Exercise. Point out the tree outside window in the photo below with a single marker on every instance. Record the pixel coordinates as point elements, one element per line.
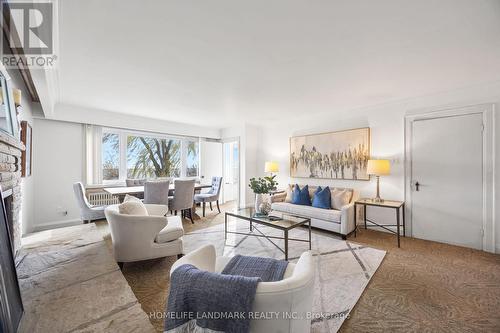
<point>149,157</point>
<point>110,156</point>
<point>132,155</point>
<point>192,158</point>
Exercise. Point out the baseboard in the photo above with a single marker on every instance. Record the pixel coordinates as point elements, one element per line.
<point>497,248</point>
<point>55,225</point>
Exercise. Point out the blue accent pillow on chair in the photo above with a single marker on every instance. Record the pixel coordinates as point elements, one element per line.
<point>322,198</point>
<point>301,197</point>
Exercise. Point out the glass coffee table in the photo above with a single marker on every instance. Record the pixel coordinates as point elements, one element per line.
<point>283,221</point>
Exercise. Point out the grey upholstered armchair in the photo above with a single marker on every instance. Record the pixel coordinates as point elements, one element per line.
<point>210,196</point>
<point>88,212</point>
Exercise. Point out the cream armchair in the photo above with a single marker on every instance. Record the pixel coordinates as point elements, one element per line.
<point>291,296</point>
<point>138,238</point>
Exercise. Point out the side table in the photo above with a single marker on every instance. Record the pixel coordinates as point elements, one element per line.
<point>396,205</point>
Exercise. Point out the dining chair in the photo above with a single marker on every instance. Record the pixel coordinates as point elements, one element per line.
<point>156,192</point>
<point>135,182</point>
<point>183,198</point>
<point>210,196</point>
<point>88,212</point>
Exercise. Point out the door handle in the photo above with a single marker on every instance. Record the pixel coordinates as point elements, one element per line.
<point>417,186</point>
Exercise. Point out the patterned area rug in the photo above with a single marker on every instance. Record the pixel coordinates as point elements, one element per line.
<point>343,269</point>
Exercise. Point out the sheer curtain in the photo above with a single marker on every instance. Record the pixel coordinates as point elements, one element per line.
<point>93,136</point>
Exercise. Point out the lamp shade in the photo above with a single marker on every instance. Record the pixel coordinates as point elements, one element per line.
<point>271,167</point>
<point>378,167</point>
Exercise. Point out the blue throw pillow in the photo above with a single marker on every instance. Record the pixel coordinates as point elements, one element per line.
<point>322,198</point>
<point>301,197</point>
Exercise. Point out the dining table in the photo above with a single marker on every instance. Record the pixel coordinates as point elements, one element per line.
<point>122,191</point>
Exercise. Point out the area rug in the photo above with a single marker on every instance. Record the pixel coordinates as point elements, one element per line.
<point>343,269</point>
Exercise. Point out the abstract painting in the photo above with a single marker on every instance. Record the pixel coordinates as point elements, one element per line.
<point>334,155</point>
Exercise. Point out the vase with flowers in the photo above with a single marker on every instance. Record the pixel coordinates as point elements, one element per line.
<point>261,187</point>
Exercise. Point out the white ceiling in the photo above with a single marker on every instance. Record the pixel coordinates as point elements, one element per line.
<point>217,63</point>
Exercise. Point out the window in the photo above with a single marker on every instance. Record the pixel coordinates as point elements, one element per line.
<point>149,157</point>
<point>129,154</point>
<point>110,156</point>
<point>8,118</point>
<point>192,154</point>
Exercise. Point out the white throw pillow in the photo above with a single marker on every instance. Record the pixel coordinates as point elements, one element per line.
<point>340,198</point>
<point>289,191</point>
<point>131,198</point>
<point>133,207</point>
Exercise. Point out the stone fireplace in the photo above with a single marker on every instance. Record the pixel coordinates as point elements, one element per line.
<point>10,181</point>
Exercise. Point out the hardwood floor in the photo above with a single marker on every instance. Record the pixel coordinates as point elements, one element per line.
<point>421,287</point>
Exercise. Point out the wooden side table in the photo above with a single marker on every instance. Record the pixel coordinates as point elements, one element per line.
<point>397,205</point>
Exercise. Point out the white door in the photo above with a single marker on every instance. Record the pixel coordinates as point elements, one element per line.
<point>447,204</point>
<point>211,161</point>
<point>231,171</point>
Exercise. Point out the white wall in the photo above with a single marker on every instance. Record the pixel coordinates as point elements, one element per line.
<point>79,114</point>
<point>387,140</point>
<point>58,162</point>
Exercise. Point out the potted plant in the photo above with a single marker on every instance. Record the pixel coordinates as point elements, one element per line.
<point>260,187</point>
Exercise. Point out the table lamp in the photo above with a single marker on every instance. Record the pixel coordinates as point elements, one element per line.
<point>378,168</point>
<point>271,167</point>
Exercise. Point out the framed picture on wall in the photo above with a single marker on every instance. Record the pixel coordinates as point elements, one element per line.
<point>333,155</point>
<point>26,154</point>
<point>8,115</point>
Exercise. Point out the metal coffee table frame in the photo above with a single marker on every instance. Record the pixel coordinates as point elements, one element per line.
<point>272,224</point>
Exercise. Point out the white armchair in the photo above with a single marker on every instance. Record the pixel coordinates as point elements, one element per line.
<point>292,295</point>
<point>138,238</point>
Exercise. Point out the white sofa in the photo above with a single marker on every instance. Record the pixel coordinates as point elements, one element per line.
<point>292,295</point>
<point>338,221</point>
<point>138,238</point>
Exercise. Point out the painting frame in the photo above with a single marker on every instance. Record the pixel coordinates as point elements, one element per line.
<point>308,139</point>
<point>8,105</point>
<point>26,154</point>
